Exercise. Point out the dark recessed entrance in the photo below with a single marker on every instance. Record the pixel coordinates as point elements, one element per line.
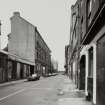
<point>31,70</point>
<point>82,73</point>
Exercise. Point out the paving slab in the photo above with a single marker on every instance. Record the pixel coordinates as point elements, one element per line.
<point>73,101</point>
<point>72,95</point>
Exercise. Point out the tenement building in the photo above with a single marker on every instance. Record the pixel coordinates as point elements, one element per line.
<point>42,55</point>
<point>28,53</point>
<point>74,41</point>
<point>94,39</point>
<point>91,71</point>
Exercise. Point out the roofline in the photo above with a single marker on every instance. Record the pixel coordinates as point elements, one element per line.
<point>42,39</point>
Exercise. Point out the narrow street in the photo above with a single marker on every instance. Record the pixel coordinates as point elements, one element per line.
<point>46,91</point>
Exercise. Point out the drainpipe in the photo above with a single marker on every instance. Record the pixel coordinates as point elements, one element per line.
<point>94,73</point>
<point>86,75</point>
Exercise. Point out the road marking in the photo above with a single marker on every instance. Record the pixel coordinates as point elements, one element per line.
<point>33,86</point>
<point>17,92</point>
<point>41,88</point>
<point>12,94</point>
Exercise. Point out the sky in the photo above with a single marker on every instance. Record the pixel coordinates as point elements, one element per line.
<point>52,18</point>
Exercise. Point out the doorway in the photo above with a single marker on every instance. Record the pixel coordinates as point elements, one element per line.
<point>31,70</point>
<point>82,72</point>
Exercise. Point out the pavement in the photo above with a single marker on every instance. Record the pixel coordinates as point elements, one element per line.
<point>12,82</point>
<point>71,95</point>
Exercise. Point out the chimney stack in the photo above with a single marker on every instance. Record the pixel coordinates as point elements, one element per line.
<point>16,13</point>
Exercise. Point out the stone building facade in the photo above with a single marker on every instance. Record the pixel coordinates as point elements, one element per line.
<point>27,51</point>
<point>93,40</point>
<point>74,41</point>
<point>91,68</point>
<point>42,55</point>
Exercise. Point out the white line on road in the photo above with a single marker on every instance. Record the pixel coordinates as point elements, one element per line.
<point>12,94</point>
<point>42,88</point>
<point>33,86</point>
<point>17,92</point>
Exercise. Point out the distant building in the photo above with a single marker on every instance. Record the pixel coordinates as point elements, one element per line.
<point>54,64</point>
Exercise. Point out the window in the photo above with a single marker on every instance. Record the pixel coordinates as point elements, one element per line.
<point>89,9</point>
<point>82,20</point>
<point>90,6</point>
<point>37,55</point>
<point>90,72</point>
<point>81,3</point>
<point>74,33</point>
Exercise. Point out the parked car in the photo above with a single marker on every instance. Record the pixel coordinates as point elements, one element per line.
<point>33,77</point>
<point>54,74</point>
